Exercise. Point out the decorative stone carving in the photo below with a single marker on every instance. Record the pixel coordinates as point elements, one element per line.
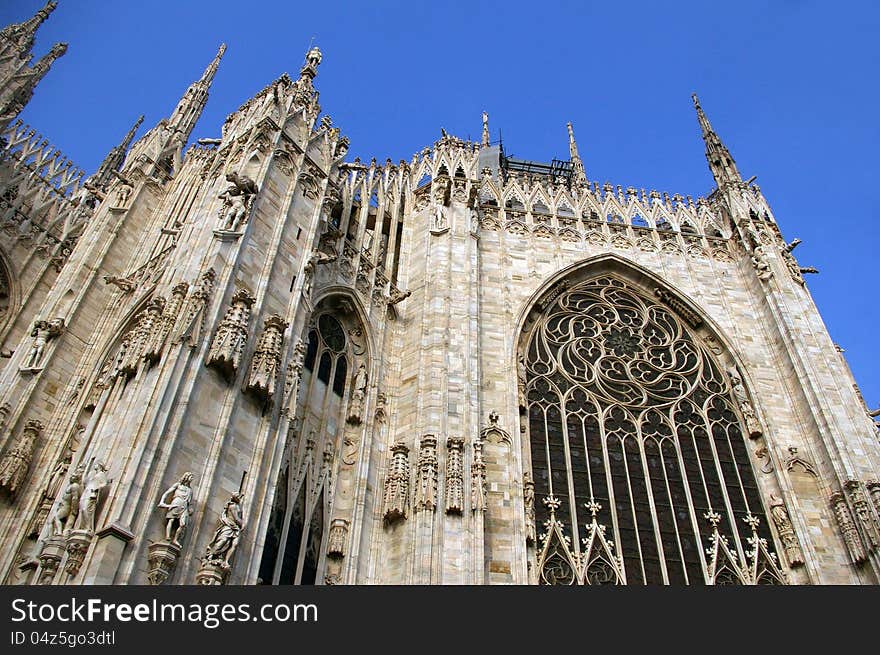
<point>267,358</point>
<point>873,487</point>
<point>454,476</point>
<point>177,501</point>
<point>162,328</point>
<point>761,262</point>
<point>425,497</point>
<point>478,479</point>
<point>847,528</point>
<point>237,200</point>
<point>16,462</point>
<point>49,494</point>
<point>439,222</point>
<point>795,270</point>
<point>294,375</point>
<point>317,257</point>
<point>67,508</point>
<point>337,538</point>
<point>149,321</point>
<point>93,483</point>
<point>228,345</point>
<point>785,531</point>
<point>690,317</point>
<point>866,523</point>
<point>358,396</point>
<point>78,543</point>
<point>529,505</point>
<point>162,558</point>
<point>745,406</point>
<point>50,557</point>
<point>218,554</point>
<point>396,491</point>
<point>192,325</point>
<point>397,296</point>
<point>42,333</point>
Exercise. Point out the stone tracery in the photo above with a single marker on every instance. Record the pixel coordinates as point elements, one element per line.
<point>629,411</point>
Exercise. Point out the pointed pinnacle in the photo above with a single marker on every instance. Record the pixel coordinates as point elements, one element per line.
<point>485,137</point>
<point>705,127</point>
<point>211,70</point>
<point>130,135</point>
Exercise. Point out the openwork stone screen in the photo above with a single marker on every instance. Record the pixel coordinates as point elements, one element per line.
<point>632,427</point>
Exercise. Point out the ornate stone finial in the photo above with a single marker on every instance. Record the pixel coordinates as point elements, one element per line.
<point>713,517</point>
<point>485,138</point>
<point>593,507</point>
<point>578,171</point>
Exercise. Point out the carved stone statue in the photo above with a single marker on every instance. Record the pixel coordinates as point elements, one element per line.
<point>529,504</point>
<point>43,331</point>
<point>236,201</point>
<point>358,394</point>
<point>177,500</point>
<point>745,406</point>
<point>397,296</point>
<point>317,257</point>
<point>226,536</point>
<point>786,533</point>
<point>761,263</point>
<point>68,504</point>
<point>94,481</point>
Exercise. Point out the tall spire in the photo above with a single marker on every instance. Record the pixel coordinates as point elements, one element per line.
<point>720,160</point>
<point>20,36</point>
<point>485,140</point>
<point>580,175</point>
<point>114,158</point>
<point>190,107</point>
<point>14,102</point>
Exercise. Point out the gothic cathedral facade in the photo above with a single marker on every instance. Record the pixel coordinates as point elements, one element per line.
<point>250,361</point>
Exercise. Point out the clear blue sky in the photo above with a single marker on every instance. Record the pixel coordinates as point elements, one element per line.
<point>790,86</point>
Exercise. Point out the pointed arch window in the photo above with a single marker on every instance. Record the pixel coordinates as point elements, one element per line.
<point>635,445</point>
